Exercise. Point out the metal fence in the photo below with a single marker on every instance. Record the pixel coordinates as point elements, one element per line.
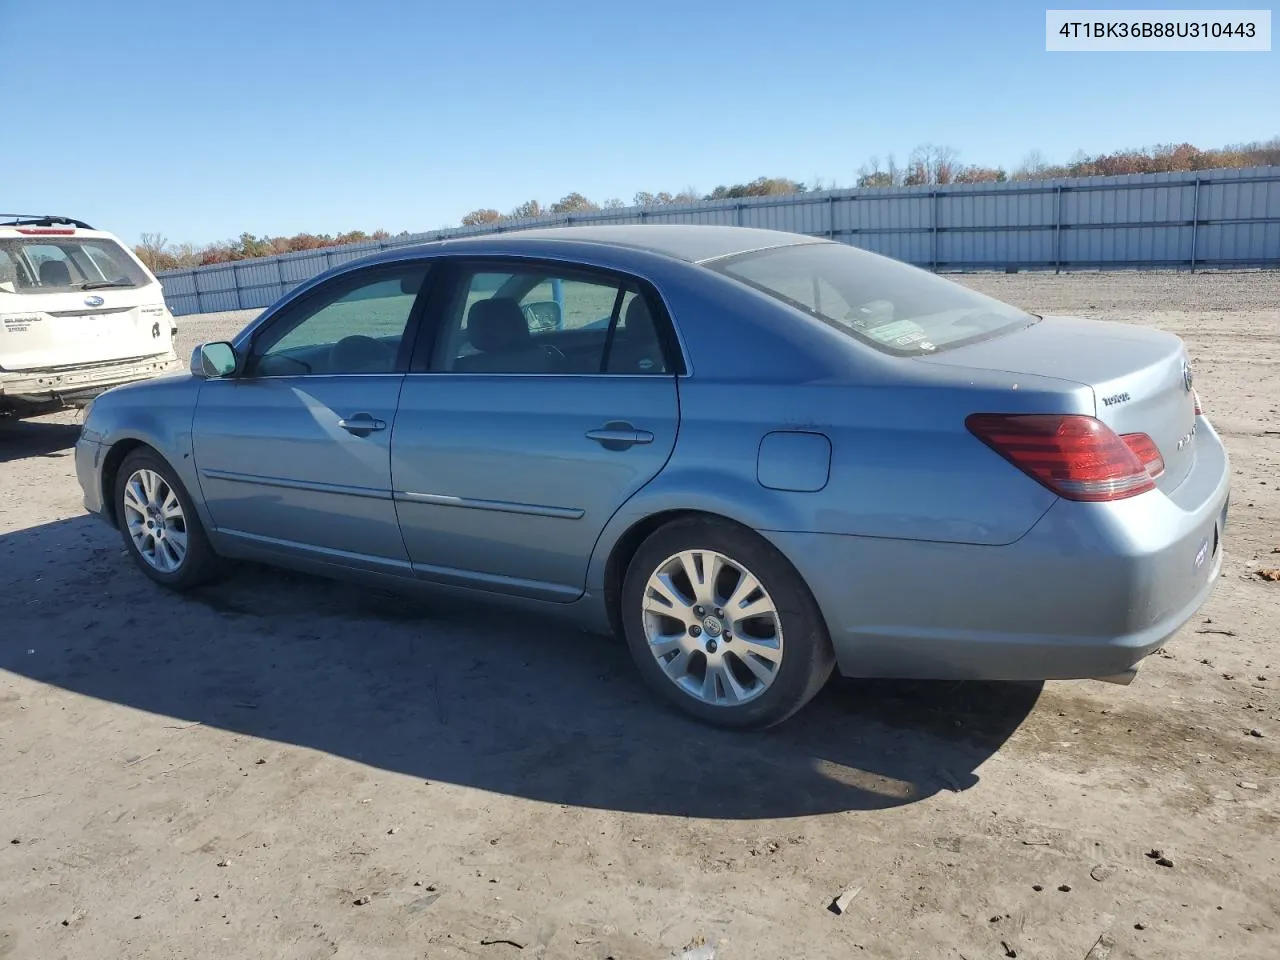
<point>1208,219</point>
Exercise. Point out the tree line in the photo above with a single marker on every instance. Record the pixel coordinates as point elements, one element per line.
<point>926,165</point>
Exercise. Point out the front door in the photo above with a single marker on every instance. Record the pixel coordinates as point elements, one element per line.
<point>549,401</point>
<point>293,455</point>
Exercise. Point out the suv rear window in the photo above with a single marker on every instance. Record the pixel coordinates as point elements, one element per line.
<point>59,264</point>
<point>892,306</point>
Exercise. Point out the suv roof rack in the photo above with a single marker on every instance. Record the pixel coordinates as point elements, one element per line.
<point>40,220</point>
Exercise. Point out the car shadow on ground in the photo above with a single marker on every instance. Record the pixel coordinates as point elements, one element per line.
<point>466,695</point>
<point>20,439</point>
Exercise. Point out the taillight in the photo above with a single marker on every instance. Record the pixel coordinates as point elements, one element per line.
<point>1196,396</point>
<point>1077,457</point>
<point>47,231</point>
<point>1145,449</point>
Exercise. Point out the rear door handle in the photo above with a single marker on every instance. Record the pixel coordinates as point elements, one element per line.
<point>619,435</point>
<point>362,424</point>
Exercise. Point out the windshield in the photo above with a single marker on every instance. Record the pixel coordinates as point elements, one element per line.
<point>60,264</point>
<point>894,307</point>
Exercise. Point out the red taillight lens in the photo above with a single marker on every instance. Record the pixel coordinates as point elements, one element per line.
<point>47,231</point>
<point>1077,457</point>
<point>1196,395</point>
<point>1148,454</point>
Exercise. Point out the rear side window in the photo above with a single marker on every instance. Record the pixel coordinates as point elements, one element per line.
<point>890,305</point>
<point>58,265</point>
<point>536,320</point>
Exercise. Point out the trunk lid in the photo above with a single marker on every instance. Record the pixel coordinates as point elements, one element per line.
<point>1141,378</point>
<point>81,327</point>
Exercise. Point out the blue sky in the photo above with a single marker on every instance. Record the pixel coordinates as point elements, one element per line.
<point>204,119</point>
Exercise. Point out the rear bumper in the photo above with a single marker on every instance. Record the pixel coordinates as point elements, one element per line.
<point>74,385</point>
<point>1089,591</point>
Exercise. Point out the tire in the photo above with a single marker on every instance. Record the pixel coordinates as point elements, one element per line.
<point>198,564</point>
<point>787,652</point>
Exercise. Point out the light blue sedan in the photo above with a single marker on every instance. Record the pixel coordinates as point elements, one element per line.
<point>757,456</point>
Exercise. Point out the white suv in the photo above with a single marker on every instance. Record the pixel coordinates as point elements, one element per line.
<point>79,313</point>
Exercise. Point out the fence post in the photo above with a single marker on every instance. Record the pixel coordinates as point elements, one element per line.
<point>1057,231</point>
<point>934,218</point>
<point>738,208</point>
<point>831,217</point>
<point>1195,222</point>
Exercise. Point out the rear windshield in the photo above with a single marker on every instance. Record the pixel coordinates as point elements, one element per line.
<point>894,307</point>
<point>59,264</point>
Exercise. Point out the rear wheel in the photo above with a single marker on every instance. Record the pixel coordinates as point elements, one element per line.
<point>722,626</point>
<point>159,524</point>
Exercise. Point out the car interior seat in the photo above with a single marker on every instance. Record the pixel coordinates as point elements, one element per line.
<point>636,347</point>
<point>497,328</point>
<point>54,273</point>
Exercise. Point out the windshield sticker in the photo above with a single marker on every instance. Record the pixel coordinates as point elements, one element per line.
<point>898,332</point>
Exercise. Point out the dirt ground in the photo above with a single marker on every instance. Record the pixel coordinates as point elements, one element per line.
<point>284,767</point>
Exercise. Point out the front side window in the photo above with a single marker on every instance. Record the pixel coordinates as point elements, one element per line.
<point>354,325</point>
<point>535,321</point>
<point>60,265</point>
<point>894,307</point>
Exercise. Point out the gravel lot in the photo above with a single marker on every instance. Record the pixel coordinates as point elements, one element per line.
<point>284,767</point>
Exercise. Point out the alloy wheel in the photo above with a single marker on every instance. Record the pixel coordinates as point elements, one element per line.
<point>713,628</point>
<point>155,520</point>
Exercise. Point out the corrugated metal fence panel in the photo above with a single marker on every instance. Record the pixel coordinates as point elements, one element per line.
<point>179,284</point>
<point>220,277</point>
<point>180,304</point>
<point>1185,220</point>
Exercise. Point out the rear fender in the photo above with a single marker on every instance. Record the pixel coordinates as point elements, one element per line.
<point>695,489</point>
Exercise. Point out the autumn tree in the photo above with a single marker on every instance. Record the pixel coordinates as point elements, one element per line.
<point>530,208</point>
<point>981,175</point>
<point>573,203</point>
<point>478,218</point>
<point>151,249</point>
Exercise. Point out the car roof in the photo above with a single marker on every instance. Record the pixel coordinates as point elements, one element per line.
<point>694,243</point>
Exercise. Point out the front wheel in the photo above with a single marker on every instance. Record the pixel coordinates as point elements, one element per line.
<point>159,524</point>
<point>722,626</point>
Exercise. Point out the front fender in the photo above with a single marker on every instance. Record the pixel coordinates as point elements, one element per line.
<point>158,414</point>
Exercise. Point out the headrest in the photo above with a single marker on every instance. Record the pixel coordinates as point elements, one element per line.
<point>55,273</point>
<point>496,325</point>
<point>639,320</point>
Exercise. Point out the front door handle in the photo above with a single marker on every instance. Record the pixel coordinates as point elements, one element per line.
<point>362,424</point>
<point>619,435</point>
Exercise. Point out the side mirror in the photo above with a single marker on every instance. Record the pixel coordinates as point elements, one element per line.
<point>543,315</point>
<point>213,361</point>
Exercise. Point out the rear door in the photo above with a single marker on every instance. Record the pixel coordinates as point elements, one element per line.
<point>547,398</point>
<point>67,300</point>
<point>293,455</point>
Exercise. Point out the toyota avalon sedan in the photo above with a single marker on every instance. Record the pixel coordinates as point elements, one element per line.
<point>758,456</point>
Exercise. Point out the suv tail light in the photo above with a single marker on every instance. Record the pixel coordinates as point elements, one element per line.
<point>47,231</point>
<point>1196,395</point>
<point>1076,456</point>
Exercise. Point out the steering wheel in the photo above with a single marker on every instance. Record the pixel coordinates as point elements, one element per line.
<point>360,354</point>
